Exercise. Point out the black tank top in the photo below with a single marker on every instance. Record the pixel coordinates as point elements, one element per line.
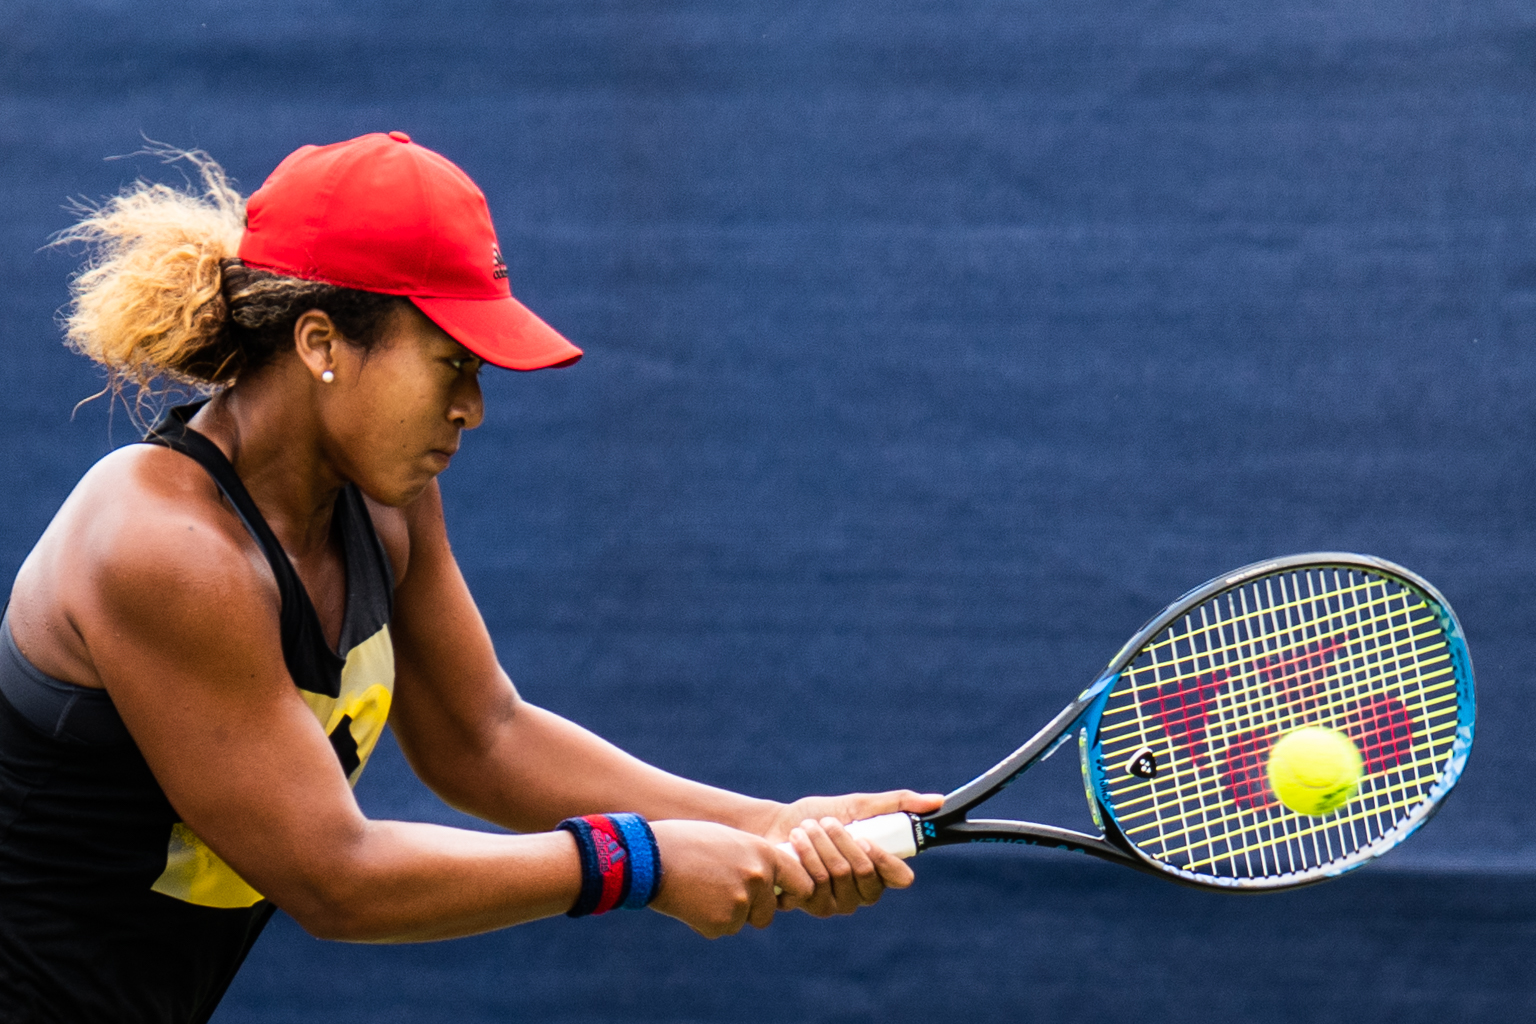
<point>111,909</point>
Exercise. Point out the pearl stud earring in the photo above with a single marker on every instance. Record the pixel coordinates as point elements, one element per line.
<point>327,376</point>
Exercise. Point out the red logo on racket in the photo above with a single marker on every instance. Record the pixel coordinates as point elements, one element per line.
<point>1380,726</point>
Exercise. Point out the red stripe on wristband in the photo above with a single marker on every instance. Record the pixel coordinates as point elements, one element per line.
<point>612,861</point>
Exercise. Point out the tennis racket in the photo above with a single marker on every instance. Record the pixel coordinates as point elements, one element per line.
<point>1174,736</point>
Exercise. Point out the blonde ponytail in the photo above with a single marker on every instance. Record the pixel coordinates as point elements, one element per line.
<point>149,303</point>
<point>163,297</point>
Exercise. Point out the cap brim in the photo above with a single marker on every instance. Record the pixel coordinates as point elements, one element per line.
<point>501,331</point>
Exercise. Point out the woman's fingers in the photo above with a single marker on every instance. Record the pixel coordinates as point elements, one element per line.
<point>810,859</point>
<point>852,876</point>
<point>844,896</point>
<point>717,879</point>
<point>895,872</point>
<point>843,872</point>
<point>764,905</point>
<point>796,883</point>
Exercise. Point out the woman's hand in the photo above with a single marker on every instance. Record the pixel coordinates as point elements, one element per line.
<point>846,873</point>
<point>716,878</point>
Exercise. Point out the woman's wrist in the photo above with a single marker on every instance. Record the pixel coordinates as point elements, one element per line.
<point>620,862</point>
<point>759,817</point>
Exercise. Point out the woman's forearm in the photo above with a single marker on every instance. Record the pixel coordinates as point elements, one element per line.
<point>409,882</point>
<point>539,768</point>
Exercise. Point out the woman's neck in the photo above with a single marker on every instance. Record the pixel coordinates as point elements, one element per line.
<point>267,427</point>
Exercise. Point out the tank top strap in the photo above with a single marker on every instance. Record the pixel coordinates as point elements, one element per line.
<point>310,660</point>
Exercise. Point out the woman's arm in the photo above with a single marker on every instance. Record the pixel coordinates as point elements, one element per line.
<point>457,715</point>
<point>469,735</point>
<point>180,621</point>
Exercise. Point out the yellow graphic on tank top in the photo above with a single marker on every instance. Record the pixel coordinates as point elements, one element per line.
<point>354,720</point>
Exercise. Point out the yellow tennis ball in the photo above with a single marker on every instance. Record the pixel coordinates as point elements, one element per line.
<point>1314,770</point>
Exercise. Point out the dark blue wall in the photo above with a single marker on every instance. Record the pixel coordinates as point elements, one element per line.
<point>932,347</point>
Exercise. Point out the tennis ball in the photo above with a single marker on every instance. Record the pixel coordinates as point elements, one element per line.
<point>1314,770</point>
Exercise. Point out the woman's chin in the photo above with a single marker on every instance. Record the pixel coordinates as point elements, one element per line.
<point>397,493</point>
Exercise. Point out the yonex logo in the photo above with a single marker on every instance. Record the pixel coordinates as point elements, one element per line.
<point>1143,764</point>
<point>498,265</point>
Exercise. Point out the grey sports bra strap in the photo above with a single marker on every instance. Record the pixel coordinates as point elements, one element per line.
<point>60,710</point>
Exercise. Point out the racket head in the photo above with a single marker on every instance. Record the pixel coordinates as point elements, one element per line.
<point>1175,742</point>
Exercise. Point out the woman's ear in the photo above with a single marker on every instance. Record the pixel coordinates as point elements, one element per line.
<point>316,338</point>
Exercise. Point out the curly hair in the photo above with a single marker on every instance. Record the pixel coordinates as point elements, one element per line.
<point>163,298</point>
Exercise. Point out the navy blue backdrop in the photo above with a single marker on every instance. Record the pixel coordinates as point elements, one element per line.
<point>932,347</point>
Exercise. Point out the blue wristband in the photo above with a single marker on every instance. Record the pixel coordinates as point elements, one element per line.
<point>620,863</point>
<point>644,860</point>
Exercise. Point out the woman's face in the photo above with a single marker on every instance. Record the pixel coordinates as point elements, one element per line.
<point>394,414</point>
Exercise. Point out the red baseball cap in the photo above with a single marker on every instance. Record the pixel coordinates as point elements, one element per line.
<point>381,214</point>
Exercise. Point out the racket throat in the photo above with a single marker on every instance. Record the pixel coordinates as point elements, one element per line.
<point>1019,833</point>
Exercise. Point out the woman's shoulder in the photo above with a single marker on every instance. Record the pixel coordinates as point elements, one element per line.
<point>144,538</point>
<point>145,499</point>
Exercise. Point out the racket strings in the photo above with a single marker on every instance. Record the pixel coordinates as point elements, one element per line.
<point>1210,695</point>
<point>1248,749</point>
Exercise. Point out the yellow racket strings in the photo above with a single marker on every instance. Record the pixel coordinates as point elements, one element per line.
<point>1207,697</point>
<point>1234,720</point>
<point>1250,763</point>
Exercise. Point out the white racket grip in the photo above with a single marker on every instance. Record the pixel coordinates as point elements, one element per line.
<point>891,832</point>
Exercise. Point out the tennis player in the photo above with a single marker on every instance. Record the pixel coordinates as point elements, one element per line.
<point>200,653</point>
